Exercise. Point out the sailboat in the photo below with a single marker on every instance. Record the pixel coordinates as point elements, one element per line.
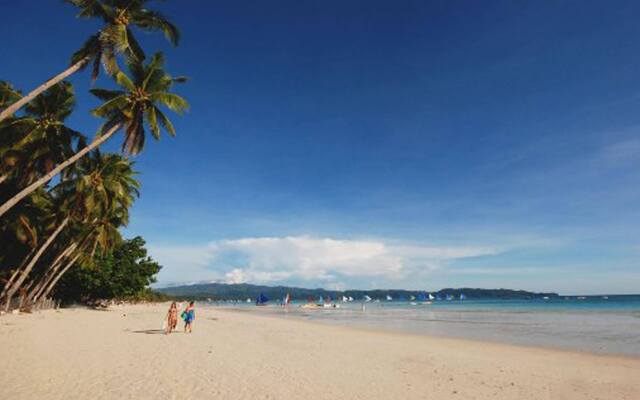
<point>389,298</point>
<point>462,296</point>
<point>286,300</point>
<point>350,298</point>
<point>422,297</point>
<point>262,300</point>
<point>367,298</point>
<point>431,297</point>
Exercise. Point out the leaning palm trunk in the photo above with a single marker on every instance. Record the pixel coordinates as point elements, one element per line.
<point>49,275</point>
<point>35,185</point>
<point>9,111</point>
<point>25,272</point>
<point>15,274</point>
<point>52,284</point>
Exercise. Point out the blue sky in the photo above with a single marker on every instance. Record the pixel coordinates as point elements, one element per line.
<point>383,144</point>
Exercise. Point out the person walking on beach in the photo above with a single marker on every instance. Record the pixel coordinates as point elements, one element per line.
<point>189,316</point>
<point>172,318</point>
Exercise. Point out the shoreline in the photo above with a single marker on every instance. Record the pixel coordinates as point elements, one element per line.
<point>381,330</point>
<point>122,353</point>
<point>526,333</point>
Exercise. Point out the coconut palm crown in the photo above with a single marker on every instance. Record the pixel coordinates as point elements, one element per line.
<point>116,36</point>
<point>138,105</point>
<point>35,143</point>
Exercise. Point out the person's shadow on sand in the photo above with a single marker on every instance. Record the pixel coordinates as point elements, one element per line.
<point>152,331</point>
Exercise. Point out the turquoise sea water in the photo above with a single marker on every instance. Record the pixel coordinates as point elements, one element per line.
<point>593,324</point>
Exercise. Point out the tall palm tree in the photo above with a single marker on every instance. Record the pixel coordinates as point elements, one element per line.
<point>34,144</point>
<point>115,37</point>
<point>93,203</point>
<point>101,195</point>
<point>137,105</point>
<point>102,235</point>
<point>21,233</point>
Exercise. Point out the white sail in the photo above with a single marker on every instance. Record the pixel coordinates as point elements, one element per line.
<point>367,298</point>
<point>350,298</point>
<point>431,296</point>
<point>389,298</point>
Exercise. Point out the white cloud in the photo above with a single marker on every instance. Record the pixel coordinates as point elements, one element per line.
<point>303,258</point>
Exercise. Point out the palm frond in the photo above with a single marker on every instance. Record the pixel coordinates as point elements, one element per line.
<point>153,21</point>
<point>110,106</point>
<point>165,122</point>
<point>106,95</point>
<point>172,101</point>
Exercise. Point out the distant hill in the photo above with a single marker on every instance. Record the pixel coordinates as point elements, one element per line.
<point>222,291</point>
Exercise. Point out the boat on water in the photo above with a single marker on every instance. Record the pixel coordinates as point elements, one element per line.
<point>321,303</point>
<point>431,297</point>
<point>423,298</point>
<point>367,298</point>
<point>462,296</point>
<point>389,298</point>
<point>262,300</point>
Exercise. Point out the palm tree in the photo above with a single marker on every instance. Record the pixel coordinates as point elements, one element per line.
<point>20,278</point>
<point>102,195</point>
<point>103,235</point>
<point>115,37</point>
<point>127,109</point>
<point>20,235</point>
<point>99,195</point>
<point>34,144</point>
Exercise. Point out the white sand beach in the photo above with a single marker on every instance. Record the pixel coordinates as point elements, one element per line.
<point>122,354</point>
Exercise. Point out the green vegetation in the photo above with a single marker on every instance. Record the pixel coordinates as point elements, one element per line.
<point>62,201</point>
<point>221,291</point>
<point>124,273</point>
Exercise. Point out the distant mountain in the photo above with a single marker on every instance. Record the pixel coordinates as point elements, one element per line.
<point>222,291</point>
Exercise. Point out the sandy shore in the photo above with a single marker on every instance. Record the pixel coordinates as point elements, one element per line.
<point>120,354</point>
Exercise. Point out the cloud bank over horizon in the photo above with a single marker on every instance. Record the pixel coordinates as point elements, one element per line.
<point>328,262</point>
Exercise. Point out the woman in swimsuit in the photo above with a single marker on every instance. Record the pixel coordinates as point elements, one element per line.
<point>172,318</point>
<point>189,317</point>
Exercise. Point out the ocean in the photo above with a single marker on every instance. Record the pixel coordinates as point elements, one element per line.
<point>594,324</point>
